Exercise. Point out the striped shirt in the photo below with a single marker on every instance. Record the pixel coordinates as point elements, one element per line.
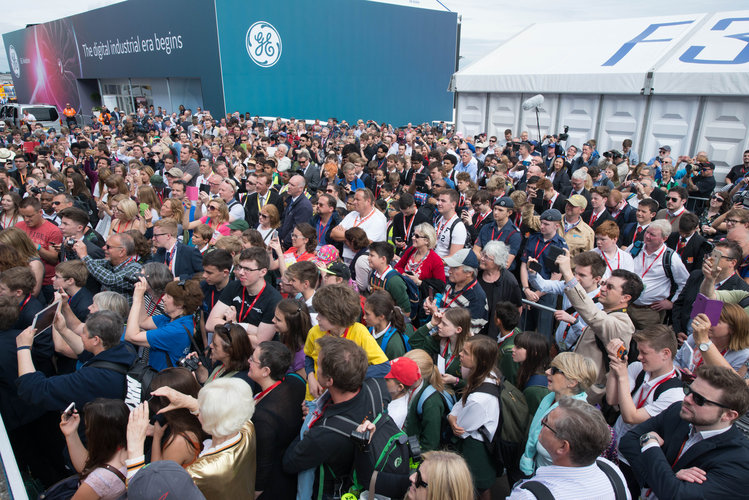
<point>573,483</point>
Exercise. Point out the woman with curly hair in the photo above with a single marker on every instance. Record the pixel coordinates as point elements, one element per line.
<point>20,241</point>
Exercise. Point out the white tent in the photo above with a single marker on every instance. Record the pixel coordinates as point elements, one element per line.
<point>678,80</point>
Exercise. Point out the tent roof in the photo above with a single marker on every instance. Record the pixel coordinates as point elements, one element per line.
<point>705,54</point>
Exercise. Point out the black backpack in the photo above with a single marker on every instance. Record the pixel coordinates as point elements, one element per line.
<point>388,452</point>
<point>138,376</point>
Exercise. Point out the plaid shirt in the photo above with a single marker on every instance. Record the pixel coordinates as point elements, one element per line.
<point>112,278</point>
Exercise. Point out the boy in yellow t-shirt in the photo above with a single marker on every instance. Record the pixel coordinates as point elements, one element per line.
<point>338,309</point>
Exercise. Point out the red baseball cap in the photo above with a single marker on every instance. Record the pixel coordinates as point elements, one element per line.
<point>405,371</point>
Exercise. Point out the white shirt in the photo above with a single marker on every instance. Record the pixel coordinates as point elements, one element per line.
<point>456,237</point>
<point>480,409</point>
<point>374,224</point>
<point>651,405</point>
<point>657,285</point>
<point>622,260</point>
<point>398,410</point>
<point>236,211</point>
<point>573,483</point>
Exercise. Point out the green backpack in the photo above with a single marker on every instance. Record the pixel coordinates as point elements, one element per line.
<point>508,443</point>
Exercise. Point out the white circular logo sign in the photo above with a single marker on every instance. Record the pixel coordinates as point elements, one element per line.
<point>263,44</point>
<point>14,64</point>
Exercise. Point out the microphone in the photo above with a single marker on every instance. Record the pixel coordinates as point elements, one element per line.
<point>533,102</point>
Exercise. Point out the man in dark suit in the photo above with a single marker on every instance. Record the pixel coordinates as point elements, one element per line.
<point>184,262</point>
<point>644,215</point>
<point>309,170</point>
<point>73,224</point>
<point>688,243</point>
<point>551,198</point>
<point>692,449</point>
<point>622,212</point>
<point>262,196</point>
<point>597,213</point>
<point>577,186</point>
<point>727,279</point>
<point>298,209</point>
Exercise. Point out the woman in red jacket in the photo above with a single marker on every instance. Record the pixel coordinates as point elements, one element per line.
<point>422,264</point>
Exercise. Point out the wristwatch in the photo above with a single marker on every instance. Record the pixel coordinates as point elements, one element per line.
<point>645,438</point>
<point>705,345</point>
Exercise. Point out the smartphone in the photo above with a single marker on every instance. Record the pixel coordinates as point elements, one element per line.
<point>621,352</point>
<point>534,266</point>
<point>69,411</point>
<point>143,208</point>
<point>205,188</point>
<point>716,255</point>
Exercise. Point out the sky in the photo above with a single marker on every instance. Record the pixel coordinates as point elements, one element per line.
<point>485,23</point>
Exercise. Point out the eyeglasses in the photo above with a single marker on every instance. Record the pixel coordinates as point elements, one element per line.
<point>157,235</point>
<point>545,423</point>
<point>419,483</point>
<point>733,221</point>
<point>554,370</point>
<point>246,269</point>
<point>700,400</point>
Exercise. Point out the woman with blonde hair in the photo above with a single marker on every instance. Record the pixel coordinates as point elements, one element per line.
<point>524,217</point>
<point>270,220</point>
<point>126,218</point>
<point>569,376</point>
<point>173,209</point>
<point>20,241</point>
<point>442,475</point>
<point>217,217</point>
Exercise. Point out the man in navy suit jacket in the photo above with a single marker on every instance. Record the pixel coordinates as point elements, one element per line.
<point>692,449</point>
<point>298,209</point>
<point>184,262</point>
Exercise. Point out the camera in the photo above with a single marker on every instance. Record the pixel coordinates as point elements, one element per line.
<point>35,190</point>
<point>192,365</point>
<point>742,197</point>
<point>564,135</point>
<point>420,180</point>
<point>132,279</point>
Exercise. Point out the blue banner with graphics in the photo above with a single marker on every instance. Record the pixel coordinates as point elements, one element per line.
<point>347,59</point>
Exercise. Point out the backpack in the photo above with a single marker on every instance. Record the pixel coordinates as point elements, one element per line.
<point>389,451</point>
<point>449,401</point>
<point>244,207</point>
<point>672,383</point>
<point>138,376</point>
<point>540,491</point>
<point>412,290</point>
<point>508,443</point>
<point>89,206</point>
<point>389,334</point>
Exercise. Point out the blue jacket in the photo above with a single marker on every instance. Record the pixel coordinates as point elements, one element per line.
<point>81,386</point>
<point>188,261</point>
<point>298,211</point>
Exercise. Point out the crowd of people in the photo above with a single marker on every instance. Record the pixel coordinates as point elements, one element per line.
<point>577,321</point>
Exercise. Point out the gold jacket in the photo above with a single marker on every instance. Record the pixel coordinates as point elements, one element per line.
<point>228,472</point>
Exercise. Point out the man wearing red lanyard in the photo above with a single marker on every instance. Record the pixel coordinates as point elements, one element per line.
<point>464,289</point>
<point>248,301</point>
<point>656,385</point>
<point>217,267</point>
<point>365,216</point>
<point>607,235</point>
<point>501,229</point>
<point>45,235</point>
<point>183,261</point>
<point>406,221</point>
<point>692,449</point>
<point>650,266</point>
<point>675,201</point>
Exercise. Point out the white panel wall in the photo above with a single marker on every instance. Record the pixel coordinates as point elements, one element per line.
<point>622,117</point>
<point>723,133</point>
<point>547,117</point>
<point>580,112</point>
<point>471,114</point>
<point>504,110</point>
<point>671,122</point>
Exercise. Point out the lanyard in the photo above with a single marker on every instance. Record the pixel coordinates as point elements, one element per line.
<point>322,229</point>
<point>415,266</point>
<point>359,221</point>
<point>155,305</point>
<point>265,202</point>
<point>444,355</point>
<point>576,315</point>
<point>441,227</point>
<point>407,231</point>
<point>641,400</point>
<point>618,260</point>
<point>536,253</point>
<point>345,333</point>
<point>242,314</point>
<point>460,293</point>
<point>23,304</point>
<point>480,218</point>
<point>702,358</point>
<point>678,455</point>
<point>261,395</point>
<point>651,264</point>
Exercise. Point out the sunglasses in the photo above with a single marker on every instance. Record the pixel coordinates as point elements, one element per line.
<point>554,370</point>
<point>673,199</point>
<point>701,400</point>
<point>419,483</point>
<point>211,207</point>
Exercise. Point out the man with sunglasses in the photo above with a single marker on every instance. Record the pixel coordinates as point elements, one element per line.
<point>675,201</point>
<point>622,288</point>
<point>184,262</point>
<point>119,265</point>
<point>692,449</point>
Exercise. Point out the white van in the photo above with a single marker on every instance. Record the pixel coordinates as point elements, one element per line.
<point>46,114</point>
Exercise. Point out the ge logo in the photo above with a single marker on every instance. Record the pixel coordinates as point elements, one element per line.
<point>263,44</point>
<point>14,63</point>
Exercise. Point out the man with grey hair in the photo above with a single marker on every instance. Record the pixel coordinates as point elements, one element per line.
<point>574,434</point>
<point>463,289</point>
<point>662,273</point>
<point>298,209</point>
<point>577,186</point>
<point>309,170</point>
<point>117,267</point>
